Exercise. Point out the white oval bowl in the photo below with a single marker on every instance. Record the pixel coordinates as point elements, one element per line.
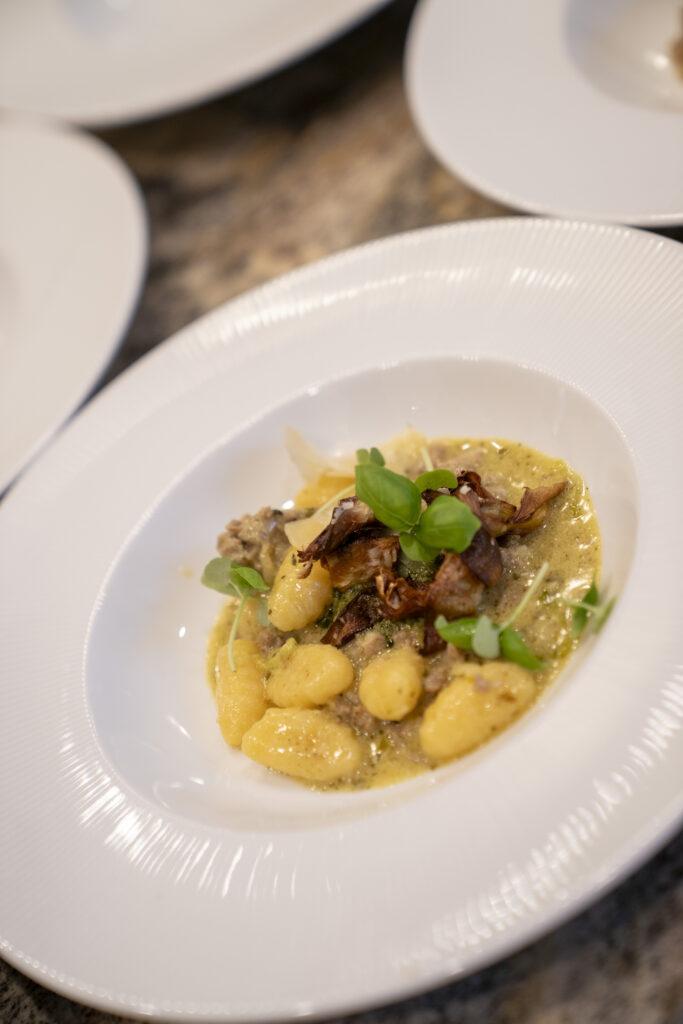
<point>153,712</point>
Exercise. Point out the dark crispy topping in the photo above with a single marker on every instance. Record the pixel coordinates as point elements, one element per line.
<point>454,591</point>
<point>399,598</point>
<point>432,642</point>
<point>430,495</point>
<point>483,558</point>
<point>349,517</point>
<point>356,548</point>
<point>473,480</point>
<point>364,611</point>
<point>258,540</point>
<point>494,513</point>
<point>361,560</point>
<point>532,510</point>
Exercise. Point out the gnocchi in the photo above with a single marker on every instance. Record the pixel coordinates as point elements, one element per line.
<point>296,602</point>
<point>240,695</point>
<point>383,651</point>
<point>391,684</point>
<point>310,745</point>
<point>308,675</point>
<point>479,701</point>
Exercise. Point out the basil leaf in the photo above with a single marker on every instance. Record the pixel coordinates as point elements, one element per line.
<point>394,499</point>
<point>436,478</point>
<point>514,649</point>
<point>247,581</point>
<point>485,641</point>
<point>580,617</point>
<point>447,523</point>
<point>459,632</point>
<point>415,550</point>
<point>217,576</point>
<point>373,457</point>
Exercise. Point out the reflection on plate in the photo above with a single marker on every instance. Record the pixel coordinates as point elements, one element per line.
<point>141,58</point>
<point>73,251</point>
<point>571,108</point>
<point>126,799</point>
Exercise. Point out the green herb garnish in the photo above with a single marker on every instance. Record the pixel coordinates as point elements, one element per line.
<point>415,550</point>
<point>459,632</point>
<point>341,599</point>
<point>426,458</point>
<point>393,498</point>
<point>433,479</point>
<point>591,609</point>
<point>513,648</point>
<point>528,595</point>
<point>447,523</point>
<point>239,581</point>
<point>488,640</point>
<point>373,456</point>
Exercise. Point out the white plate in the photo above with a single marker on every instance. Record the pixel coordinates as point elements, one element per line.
<point>73,250</point>
<point>567,107</point>
<point>149,869</point>
<point>106,62</point>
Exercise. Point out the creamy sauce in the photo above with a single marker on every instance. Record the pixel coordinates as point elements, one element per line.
<point>568,539</point>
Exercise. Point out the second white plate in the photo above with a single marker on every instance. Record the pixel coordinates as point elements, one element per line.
<point>565,107</point>
<point>73,253</point>
<point>106,62</point>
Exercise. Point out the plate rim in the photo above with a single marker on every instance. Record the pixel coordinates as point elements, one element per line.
<point>626,861</point>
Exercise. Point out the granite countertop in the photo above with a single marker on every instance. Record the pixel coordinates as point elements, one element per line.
<point>314,159</point>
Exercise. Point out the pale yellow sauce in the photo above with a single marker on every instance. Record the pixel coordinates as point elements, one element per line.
<point>568,539</point>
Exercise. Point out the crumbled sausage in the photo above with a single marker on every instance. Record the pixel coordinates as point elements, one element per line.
<point>259,540</point>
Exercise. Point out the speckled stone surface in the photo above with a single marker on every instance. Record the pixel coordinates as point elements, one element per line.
<point>317,158</point>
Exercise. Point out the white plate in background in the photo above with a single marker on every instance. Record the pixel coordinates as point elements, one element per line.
<point>73,252</point>
<point>148,868</point>
<point>563,107</point>
<point>103,62</point>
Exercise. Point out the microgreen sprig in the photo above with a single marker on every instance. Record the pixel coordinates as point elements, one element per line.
<point>446,524</point>
<point>426,458</point>
<point>372,456</point>
<point>529,594</point>
<point>592,610</point>
<point>239,581</point>
<point>489,640</point>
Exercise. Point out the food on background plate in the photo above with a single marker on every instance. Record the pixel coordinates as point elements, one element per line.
<point>677,49</point>
<point>405,608</point>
